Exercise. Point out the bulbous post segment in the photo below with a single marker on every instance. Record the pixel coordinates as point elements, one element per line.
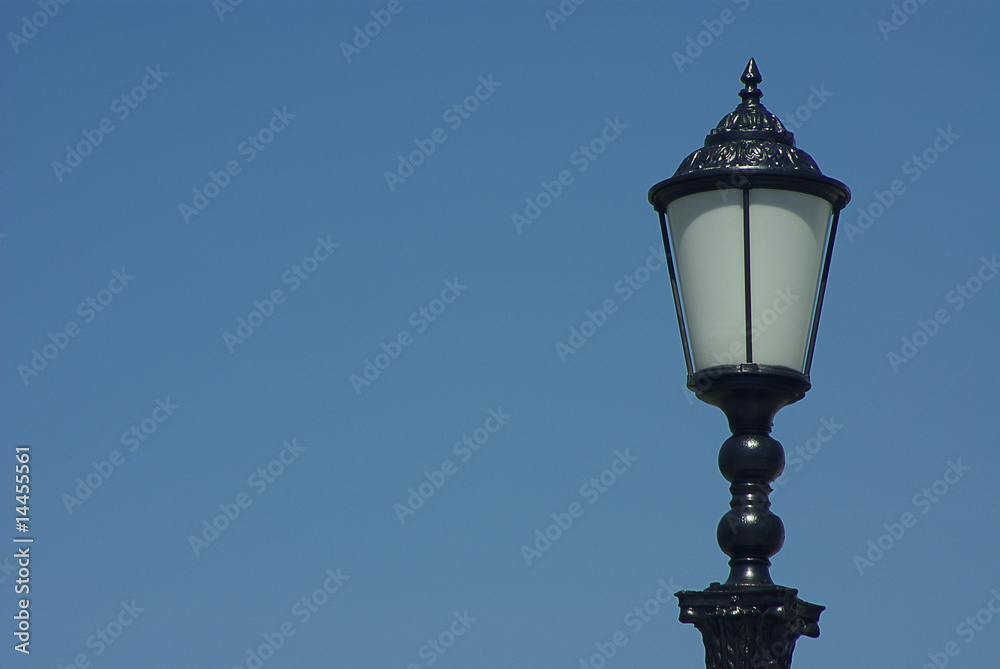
<point>750,395</point>
<point>749,533</point>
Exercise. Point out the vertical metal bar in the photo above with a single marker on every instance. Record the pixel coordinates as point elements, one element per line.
<point>746,272</point>
<point>677,296</point>
<point>822,292</point>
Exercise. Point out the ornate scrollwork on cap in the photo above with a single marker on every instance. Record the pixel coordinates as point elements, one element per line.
<point>748,154</point>
<point>750,117</point>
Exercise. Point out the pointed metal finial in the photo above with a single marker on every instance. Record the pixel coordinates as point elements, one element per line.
<point>750,79</point>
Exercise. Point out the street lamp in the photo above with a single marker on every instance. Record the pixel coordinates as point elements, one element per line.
<point>748,224</point>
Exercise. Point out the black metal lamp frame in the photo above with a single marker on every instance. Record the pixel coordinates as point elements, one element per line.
<point>748,622</point>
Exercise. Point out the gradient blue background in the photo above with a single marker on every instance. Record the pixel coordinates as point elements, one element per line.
<point>494,347</point>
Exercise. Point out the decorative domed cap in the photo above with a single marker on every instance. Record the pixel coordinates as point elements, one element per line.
<point>750,148</point>
<point>749,137</point>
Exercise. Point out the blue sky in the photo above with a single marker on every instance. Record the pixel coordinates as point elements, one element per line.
<point>201,243</point>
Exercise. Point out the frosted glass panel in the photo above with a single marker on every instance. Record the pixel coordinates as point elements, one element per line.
<point>707,234</point>
<point>787,236</point>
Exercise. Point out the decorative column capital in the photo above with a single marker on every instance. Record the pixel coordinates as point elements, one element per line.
<point>749,627</point>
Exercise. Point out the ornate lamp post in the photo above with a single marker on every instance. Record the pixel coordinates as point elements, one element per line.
<point>748,224</point>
